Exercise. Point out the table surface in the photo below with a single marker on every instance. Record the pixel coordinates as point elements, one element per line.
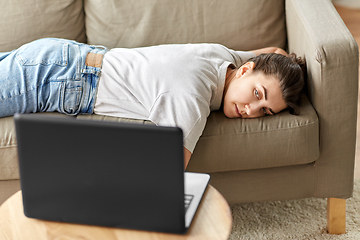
<point>213,220</point>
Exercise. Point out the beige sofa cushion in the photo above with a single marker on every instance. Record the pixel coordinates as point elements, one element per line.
<point>231,144</point>
<point>244,144</point>
<point>8,151</point>
<point>268,142</point>
<point>123,23</point>
<point>38,19</point>
<point>9,168</point>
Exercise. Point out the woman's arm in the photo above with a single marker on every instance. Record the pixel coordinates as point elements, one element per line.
<point>187,156</point>
<point>257,52</point>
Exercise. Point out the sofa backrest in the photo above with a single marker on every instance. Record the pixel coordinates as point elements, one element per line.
<point>237,24</point>
<point>23,21</point>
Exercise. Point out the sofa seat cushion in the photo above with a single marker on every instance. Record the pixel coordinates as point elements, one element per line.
<point>268,142</point>
<point>9,168</point>
<point>8,150</point>
<point>243,144</point>
<point>231,144</point>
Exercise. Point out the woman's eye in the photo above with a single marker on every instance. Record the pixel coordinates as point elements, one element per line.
<point>257,94</point>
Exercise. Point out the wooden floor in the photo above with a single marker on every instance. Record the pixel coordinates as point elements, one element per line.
<point>351,18</point>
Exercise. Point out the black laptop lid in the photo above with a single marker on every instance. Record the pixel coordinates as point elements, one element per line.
<point>101,173</point>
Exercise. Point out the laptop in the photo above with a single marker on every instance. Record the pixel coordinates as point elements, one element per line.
<point>106,173</point>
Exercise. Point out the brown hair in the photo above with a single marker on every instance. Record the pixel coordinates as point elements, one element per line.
<point>291,72</point>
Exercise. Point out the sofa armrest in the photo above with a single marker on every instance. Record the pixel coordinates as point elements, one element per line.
<point>316,31</point>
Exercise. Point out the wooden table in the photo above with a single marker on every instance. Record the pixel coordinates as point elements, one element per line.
<point>212,221</point>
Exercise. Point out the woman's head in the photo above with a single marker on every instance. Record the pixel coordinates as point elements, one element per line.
<point>265,85</point>
<point>290,72</point>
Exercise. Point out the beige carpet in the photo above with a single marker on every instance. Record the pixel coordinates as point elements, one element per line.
<point>295,219</point>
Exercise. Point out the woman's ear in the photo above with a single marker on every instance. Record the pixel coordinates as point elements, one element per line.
<point>245,68</point>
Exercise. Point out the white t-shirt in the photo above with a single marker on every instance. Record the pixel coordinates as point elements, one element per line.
<point>170,85</point>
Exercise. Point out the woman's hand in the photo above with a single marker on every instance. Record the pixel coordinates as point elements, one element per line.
<point>187,156</point>
<point>277,50</point>
<point>281,51</point>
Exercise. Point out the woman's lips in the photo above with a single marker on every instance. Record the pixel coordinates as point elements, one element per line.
<point>237,111</point>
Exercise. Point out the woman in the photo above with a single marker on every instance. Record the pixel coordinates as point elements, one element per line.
<point>173,85</point>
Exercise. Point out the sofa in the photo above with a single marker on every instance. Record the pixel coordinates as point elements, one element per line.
<point>250,160</point>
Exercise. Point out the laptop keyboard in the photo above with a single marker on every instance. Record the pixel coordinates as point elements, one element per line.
<point>188,199</point>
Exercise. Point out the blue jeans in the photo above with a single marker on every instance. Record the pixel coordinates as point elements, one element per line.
<point>48,75</point>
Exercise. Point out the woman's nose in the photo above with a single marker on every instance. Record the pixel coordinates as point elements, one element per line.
<point>250,109</point>
<point>247,109</point>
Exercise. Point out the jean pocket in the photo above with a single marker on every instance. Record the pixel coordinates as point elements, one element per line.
<point>71,97</point>
<point>45,52</point>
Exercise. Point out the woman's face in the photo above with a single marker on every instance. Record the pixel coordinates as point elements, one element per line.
<point>251,94</point>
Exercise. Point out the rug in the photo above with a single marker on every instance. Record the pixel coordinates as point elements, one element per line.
<point>295,219</point>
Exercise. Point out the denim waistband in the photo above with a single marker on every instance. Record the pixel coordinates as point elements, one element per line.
<point>91,71</point>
